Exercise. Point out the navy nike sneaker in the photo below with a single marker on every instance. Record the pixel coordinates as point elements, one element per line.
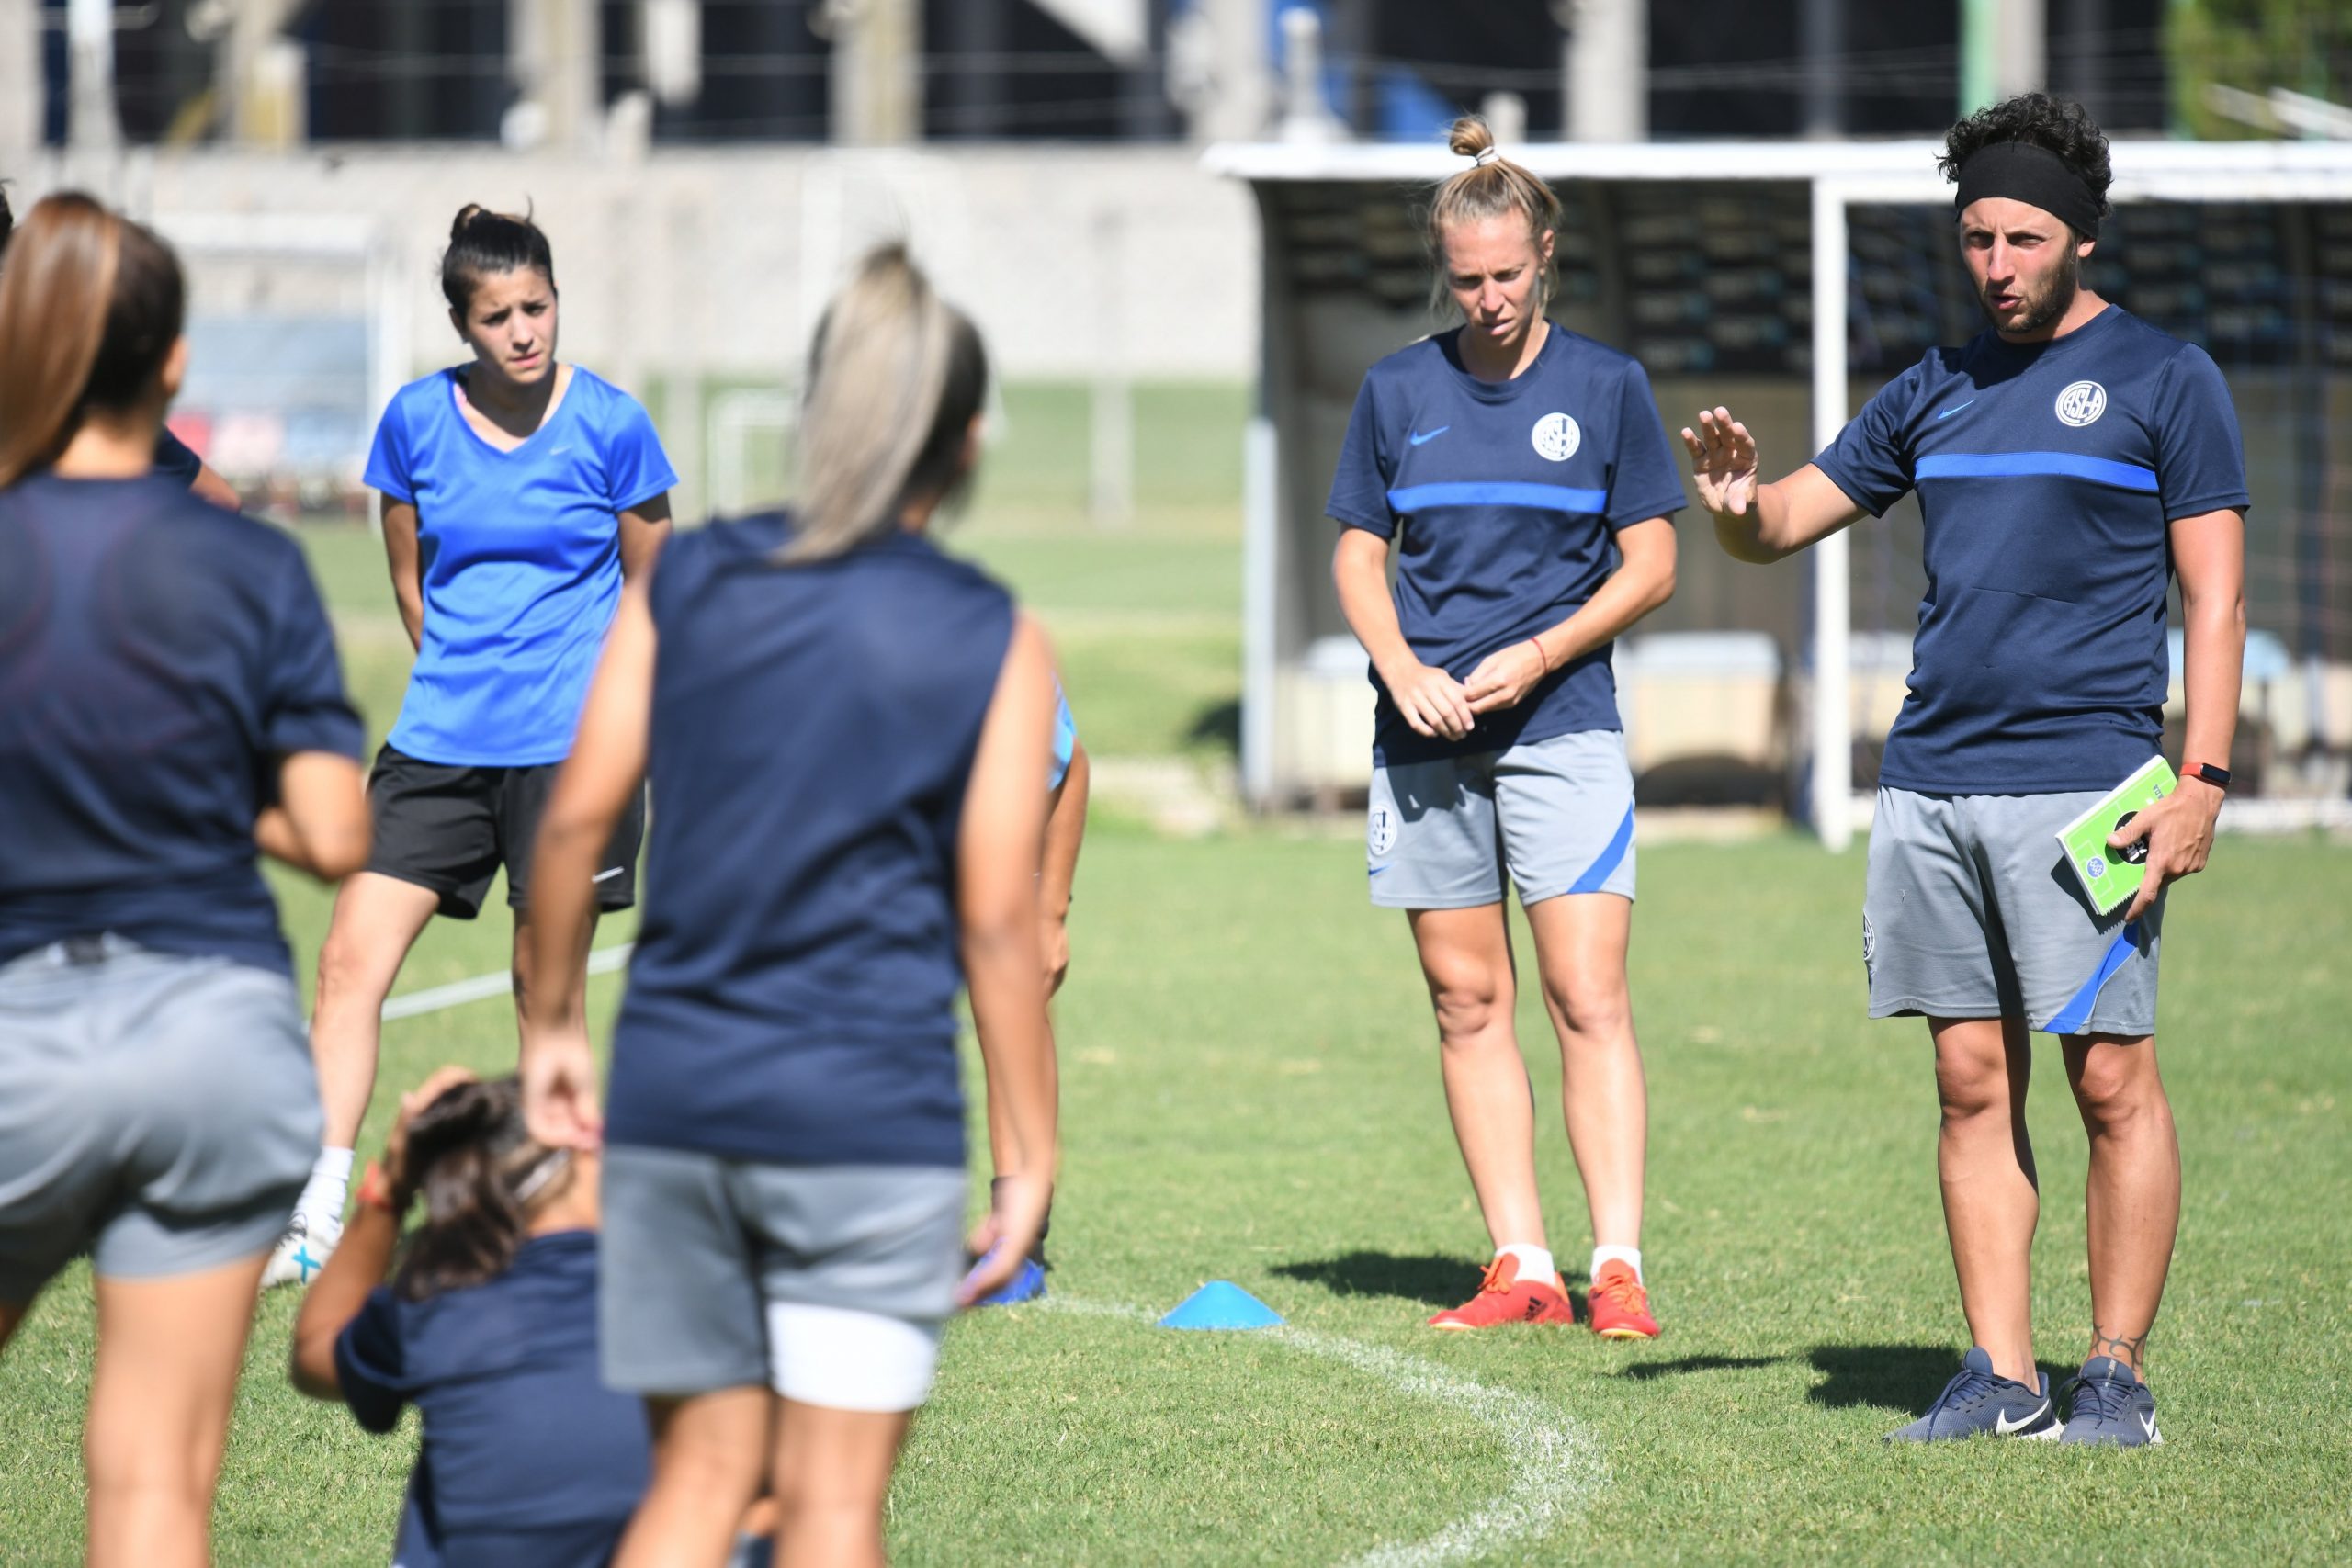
<point>2107,1402</point>
<point>1978,1400</point>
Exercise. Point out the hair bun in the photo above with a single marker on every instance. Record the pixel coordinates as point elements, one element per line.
<point>1470,137</point>
<point>466,216</point>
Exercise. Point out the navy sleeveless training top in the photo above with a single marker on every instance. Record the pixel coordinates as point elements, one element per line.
<point>792,998</point>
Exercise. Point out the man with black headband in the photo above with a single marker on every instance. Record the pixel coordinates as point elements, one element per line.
<point>175,459</point>
<point>2068,461</point>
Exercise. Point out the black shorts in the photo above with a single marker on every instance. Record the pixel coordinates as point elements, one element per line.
<point>450,828</point>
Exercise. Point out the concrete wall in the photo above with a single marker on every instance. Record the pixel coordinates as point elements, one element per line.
<point>719,261</point>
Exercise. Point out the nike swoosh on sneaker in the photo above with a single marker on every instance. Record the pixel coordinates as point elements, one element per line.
<point>1416,438</point>
<point>2148,1425</point>
<point>2003,1425</point>
<point>1954,409</point>
<point>608,875</point>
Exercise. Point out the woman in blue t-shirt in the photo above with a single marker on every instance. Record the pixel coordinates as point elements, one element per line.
<point>170,703</point>
<point>488,1327</point>
<point>784,1148</point>
<point>519,494</point>
<point>1503,465</point>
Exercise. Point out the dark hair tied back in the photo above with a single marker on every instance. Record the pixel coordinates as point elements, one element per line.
<point>484,243</point>
<point>473,1161</point>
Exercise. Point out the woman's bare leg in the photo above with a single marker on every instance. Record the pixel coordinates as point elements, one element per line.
<point>169,1351</point>
<point>377,919</point>
<point>708,1452</point>
<point>1466,959</point>
<point>1580,942</point>
<point>831,1473</point>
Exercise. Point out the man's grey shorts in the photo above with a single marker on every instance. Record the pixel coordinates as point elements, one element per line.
<point>1972,912</point>
<point>157,1112</point>
<point>1557,815</point>
<point>697,1248</point>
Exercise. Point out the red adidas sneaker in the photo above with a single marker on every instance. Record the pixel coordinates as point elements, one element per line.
<point>1620,1307</point>
<point>1503,1298</point>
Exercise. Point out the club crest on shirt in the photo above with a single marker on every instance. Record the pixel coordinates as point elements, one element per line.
<point>2082,403</point>
<point>1380,831</point>
<point>1557,437</point>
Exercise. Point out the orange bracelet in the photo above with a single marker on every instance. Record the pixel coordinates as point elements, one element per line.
<point>376,1190</point>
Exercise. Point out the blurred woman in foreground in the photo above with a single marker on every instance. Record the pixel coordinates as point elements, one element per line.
<point>848,734</point>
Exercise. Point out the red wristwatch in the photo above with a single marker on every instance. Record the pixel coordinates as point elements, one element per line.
<point>2218,777</point>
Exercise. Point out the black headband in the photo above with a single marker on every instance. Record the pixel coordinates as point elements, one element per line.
<point>2035,175</point>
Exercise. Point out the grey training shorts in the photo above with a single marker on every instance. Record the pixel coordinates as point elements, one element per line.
<point>1557,815</point>
<point>1972,912</point>
<point>157,1112</point>
<point>699,1251</point>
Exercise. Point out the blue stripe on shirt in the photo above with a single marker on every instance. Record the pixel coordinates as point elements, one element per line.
<point>1546,498</point>
<point>2022,465</point>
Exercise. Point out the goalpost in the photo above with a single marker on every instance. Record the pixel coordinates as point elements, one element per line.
<point>1730,269</point>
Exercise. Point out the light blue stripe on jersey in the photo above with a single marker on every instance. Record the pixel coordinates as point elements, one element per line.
<point>2023,465</point>
<point>1547,497</point>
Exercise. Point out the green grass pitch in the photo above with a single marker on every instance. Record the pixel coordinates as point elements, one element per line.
<point>1251,1094</point>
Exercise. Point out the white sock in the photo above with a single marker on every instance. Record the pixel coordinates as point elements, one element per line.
<point>1535,1265</point>
<point>1631,1256</point>
<point>330,1185</point>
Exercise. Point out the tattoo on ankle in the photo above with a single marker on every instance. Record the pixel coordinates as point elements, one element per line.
<point>2125,1348</point>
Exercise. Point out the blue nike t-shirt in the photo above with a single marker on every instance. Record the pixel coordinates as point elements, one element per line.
<point>2047,474</point>
<point>528,1456</point>
<point>519,553</point>
<point>159,659</point>
<point>1503,499</point>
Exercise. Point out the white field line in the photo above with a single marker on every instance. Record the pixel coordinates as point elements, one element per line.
<point>1555,1464</point>
<point>481,987</point>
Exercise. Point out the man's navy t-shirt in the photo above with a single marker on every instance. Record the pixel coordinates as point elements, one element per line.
<point>159,657</point>
<point>2047,474</point>
<point>528,1456</point>
<point>1503,499</point>
<point>792,998</point>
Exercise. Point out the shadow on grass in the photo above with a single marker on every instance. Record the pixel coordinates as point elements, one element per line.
<point>1897,1378</point>
<point>1217,724</point>
<point>1431,1278</point>
<point>1641,1372</point>
<point>1892,1377</point>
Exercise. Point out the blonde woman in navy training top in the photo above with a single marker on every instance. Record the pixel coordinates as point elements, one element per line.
<point>1519,476</point>
<point>784,1148</point>
<point>170,707</point>
<point>520,492</point>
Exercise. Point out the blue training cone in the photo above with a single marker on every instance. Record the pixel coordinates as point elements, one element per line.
<point>1220,1305</point>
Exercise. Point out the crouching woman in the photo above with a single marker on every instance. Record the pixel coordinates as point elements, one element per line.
<point>488,1325</point>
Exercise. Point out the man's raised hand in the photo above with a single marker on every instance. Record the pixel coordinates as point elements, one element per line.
<point>1722,461</point>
